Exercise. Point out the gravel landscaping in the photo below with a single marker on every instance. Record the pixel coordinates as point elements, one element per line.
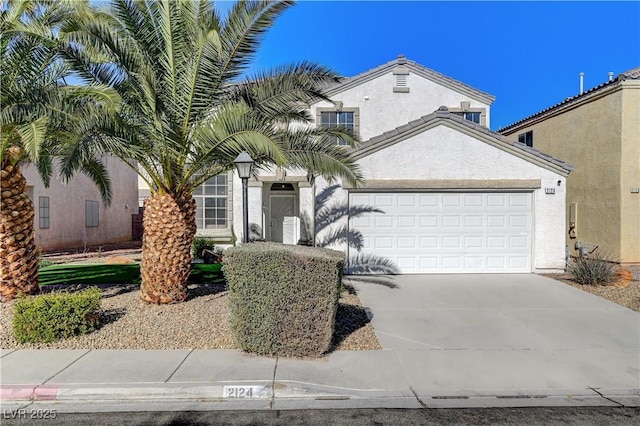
<point>201,322</point>
<point>628,296</point>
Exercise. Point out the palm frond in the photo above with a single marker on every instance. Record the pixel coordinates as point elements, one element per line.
<point>45,168</point>
<point>32,135</point>
<point>242,31</point>
<point>99,175</point>
<point>183,116</point>
<point>315,150</point>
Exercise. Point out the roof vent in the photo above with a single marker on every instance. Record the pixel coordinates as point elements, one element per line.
<point>401,74</point>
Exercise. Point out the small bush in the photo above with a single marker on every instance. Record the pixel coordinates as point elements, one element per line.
<point>283,298</point>
<point>43,263</point>
<point>596,269</point>
<point>53,316</point>
<point>200,244</point>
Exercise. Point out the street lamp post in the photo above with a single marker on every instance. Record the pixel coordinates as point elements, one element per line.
<point>244,164</point>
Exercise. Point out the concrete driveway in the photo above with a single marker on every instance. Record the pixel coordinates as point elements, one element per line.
<point>519,331</point>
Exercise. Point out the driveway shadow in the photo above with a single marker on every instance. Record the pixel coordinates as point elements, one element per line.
<point>386,281</point>
<point>349,319</point>
<point>201,290</point>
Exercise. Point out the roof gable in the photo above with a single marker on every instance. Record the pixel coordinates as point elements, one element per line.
<point>416,68</point>
<point>443,117</point>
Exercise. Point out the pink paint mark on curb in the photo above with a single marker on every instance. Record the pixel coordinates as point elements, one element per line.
<point>45,394</point>
<point>16,393</point>
<point>28,393</point>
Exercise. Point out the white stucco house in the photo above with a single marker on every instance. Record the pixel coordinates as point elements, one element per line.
<point>446,194</point>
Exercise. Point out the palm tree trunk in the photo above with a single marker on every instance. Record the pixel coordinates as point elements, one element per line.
<point>169,228</point>
<point>18,252</point>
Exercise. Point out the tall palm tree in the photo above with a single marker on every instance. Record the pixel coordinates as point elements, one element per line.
<point>41,118</point>
<point>188,112</point>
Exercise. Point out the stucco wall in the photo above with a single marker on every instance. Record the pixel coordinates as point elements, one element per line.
<point>600,136</point>
<point>630,173</point>
<point>67,208</point>
<point>445,153</point>
<point>381,109</point>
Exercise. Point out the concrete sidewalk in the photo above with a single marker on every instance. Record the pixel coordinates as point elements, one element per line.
<point>228,379</point>
<point>450,341</point>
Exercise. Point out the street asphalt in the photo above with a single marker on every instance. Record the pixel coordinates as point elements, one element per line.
<point>449,341</point>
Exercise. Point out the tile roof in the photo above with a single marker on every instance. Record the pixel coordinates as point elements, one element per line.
<point>458,121</point>
<point>633,74</point>
<point>421,70</point>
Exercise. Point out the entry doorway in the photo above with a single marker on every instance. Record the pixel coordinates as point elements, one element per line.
<point>280,206</point>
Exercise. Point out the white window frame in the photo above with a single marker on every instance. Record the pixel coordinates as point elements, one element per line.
<point>356,119</point>
<point>462,111</point>
<point>199,194</point>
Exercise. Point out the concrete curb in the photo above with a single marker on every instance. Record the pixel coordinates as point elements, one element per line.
<point>296,395</point>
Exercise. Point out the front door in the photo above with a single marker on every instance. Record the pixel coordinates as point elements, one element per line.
<point>280,206</point>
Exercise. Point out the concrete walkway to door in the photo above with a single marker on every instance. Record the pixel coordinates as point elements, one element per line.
<point>520,333</point>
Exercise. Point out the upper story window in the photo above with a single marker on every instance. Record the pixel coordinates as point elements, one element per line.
<point>473,116</point>
<point>212,201</point>
<point>526,138</point>
<point>346,117</point>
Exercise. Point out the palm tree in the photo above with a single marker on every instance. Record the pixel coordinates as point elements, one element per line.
<point>41,118</point>
<point>188,112</point>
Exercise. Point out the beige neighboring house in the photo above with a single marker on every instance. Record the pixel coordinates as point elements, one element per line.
<point>74,216</point>
<point>599,132</point>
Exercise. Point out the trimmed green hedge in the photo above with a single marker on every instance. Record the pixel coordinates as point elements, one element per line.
<point>53,316</point>
<point>283,298</point>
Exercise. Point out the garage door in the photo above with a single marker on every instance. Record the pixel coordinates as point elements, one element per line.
<point>448,232</point>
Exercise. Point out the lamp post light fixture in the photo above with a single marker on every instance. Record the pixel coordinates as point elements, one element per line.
<point>244,164</point>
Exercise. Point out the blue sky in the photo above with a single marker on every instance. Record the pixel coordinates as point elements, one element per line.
<point>527,54</point>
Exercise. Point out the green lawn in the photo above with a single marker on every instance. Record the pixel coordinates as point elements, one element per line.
<point>201,273</point>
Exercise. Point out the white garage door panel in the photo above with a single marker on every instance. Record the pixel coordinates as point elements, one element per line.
<point>448,232</point>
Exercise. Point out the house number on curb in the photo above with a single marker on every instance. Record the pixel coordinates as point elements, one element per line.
<point>245,392</point>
